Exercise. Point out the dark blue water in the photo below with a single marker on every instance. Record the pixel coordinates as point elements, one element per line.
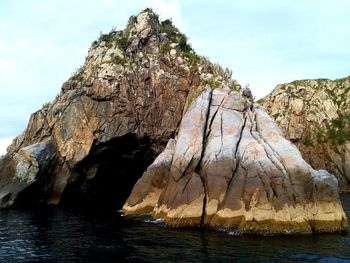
<point>57,235</point>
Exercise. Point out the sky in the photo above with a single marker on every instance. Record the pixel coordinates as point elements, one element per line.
<point>264,43</point>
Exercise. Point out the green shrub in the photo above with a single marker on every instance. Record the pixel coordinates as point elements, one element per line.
<point>183,44</point>
<point>46,105</point>
<point>213,84</point>
<point>307,139</point>
<point>192,58</point>
<point>174,36</point>
<point>165,48</point>
<point>118,60</point>
<point>122,42</point>
<point>320,136</point>
<point>114,36</point>
<point>171,31</point>
<point>338,131</point>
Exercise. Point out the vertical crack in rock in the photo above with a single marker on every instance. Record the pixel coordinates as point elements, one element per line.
<point>238,175</point>
<point>236,157</point>
<point>131,84</point>
<point>197,169</point>
<point>132,88</point>
<point>209,125</point>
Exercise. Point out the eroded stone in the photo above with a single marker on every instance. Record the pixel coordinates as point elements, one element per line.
<point>233,169</point>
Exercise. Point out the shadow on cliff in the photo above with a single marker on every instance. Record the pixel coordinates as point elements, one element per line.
<point>105,178</point>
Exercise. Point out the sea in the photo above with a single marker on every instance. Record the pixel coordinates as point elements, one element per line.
<point>66,235</point>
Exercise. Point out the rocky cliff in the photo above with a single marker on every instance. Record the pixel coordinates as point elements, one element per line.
<point>315,115</point>
<point>230,167</point>
<point>111,118</point>
<point>144,91</point>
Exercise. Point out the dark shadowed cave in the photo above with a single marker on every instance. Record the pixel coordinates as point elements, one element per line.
<point>105,178</point>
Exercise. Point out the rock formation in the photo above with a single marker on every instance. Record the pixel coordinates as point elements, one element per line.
<point>230,167</point>
<point>110,120</point>
<point>226,166</point>
<point>315,116</point>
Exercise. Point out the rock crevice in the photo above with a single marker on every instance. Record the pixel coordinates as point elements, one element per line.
<point>250,179</point>
<point>135,85</point>
<point>314,114</point>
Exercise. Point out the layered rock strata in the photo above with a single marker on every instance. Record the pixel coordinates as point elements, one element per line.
<point>231,168</point>
<point>315,116</point>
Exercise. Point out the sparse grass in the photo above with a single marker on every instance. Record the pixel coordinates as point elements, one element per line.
<point>120,61</point>
<point>320,138</point>
<point>174,36</point>
<point>297,82</point>
<point>169,29</point>
<point>192,58</point>
<point>165,48</point>
<point>337,132</point>
<point>118,37</point>
<point>307,139</point>
<point>212,83</point>
<point>46,105</point>
<point>215,68</point>
<point>339,129</point>
<point>75,75</point>
<point>122,42</point>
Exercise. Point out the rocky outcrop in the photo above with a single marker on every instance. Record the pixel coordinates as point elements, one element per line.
<point>226,166</point>
<point>315,116</point>
<point>111,118</point>
<point>231,168</point>
<point>28,166</point>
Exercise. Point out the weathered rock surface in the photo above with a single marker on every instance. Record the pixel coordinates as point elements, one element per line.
<point>315,116</point>
<point>227,167</point>
<point>230,167</point>
<point>28,166</point>
<point>111,118</point>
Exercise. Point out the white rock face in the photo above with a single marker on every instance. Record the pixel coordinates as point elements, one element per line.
<point>231,168</point>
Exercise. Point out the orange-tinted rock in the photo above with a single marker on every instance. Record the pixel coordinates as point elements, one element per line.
<point>114,115</point>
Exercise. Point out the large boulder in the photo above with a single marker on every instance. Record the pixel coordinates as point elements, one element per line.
<point>231,168</point>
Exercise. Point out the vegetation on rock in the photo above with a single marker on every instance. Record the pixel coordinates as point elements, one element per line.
<point>315,114</point>
<point>117,110</point>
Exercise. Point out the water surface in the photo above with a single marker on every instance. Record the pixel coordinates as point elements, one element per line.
<point>57,235</point>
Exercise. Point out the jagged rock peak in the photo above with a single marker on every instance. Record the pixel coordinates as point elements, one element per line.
<point>145,43</point>
<point>120,108</point>
<point>315,115</point>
